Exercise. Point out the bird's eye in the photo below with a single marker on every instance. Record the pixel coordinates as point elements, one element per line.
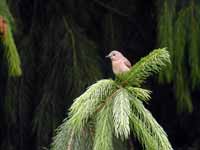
<point>113,54</point>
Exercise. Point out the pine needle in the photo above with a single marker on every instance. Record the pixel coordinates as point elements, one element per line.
<point>121,112</point>
<point>141,94</point>
<point>150,125</point>
<point>104,129</point>
<point>142,134</point>
<point>85,105</point>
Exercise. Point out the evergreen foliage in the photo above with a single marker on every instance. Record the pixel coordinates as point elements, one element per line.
<point>179,30</point>
<point>84,52</point>
<point>73,66</point>
<point>103,129</point>
<point>33,105</point>
<point>145,67</point>
<point>5,12</point>
<point>111,109</point>
<point>11,54</point>
<point>165,29</point>
<point>146,123</point>
<point>10,50</point>
<point>121,113</point>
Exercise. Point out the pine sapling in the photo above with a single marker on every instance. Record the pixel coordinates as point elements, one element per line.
<point>111,110</point>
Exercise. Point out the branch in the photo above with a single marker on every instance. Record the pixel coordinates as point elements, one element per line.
<point>106,100</point>
<point>114,10</point>
<point>70,141</point>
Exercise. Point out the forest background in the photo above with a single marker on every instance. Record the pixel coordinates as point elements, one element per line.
<point>62,47</point>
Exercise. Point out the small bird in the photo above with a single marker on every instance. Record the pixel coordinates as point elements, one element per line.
<point>3,27</point>
<point>120,64</point>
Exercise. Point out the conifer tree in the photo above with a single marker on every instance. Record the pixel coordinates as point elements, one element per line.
<point>111,110</point>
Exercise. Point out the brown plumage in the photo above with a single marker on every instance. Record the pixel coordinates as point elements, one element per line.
<point>120,64</point>
<point>3,27</point>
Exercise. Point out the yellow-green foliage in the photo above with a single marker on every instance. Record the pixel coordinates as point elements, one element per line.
<point>113,109</point>
<point>10,50</point>
<point>12,56</point>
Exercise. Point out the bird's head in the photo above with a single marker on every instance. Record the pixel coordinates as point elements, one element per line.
<point>115,55</point>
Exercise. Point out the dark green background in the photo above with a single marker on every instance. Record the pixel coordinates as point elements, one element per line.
<point>33,105</point>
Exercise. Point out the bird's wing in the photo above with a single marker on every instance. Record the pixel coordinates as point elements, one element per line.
<point>127,62</point>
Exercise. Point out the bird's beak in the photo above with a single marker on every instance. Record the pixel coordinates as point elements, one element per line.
<point>108,56</point>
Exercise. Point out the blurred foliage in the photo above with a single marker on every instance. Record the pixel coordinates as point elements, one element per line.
<point>5,12</point>
<point>179,31</point>
<point>10,50</point>
<point>11,54</point>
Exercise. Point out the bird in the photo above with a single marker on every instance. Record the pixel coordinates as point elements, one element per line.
<point>120,64</point>
<point>3,27</point>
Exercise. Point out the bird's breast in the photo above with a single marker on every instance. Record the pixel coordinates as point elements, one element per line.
<point>119,67</point>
